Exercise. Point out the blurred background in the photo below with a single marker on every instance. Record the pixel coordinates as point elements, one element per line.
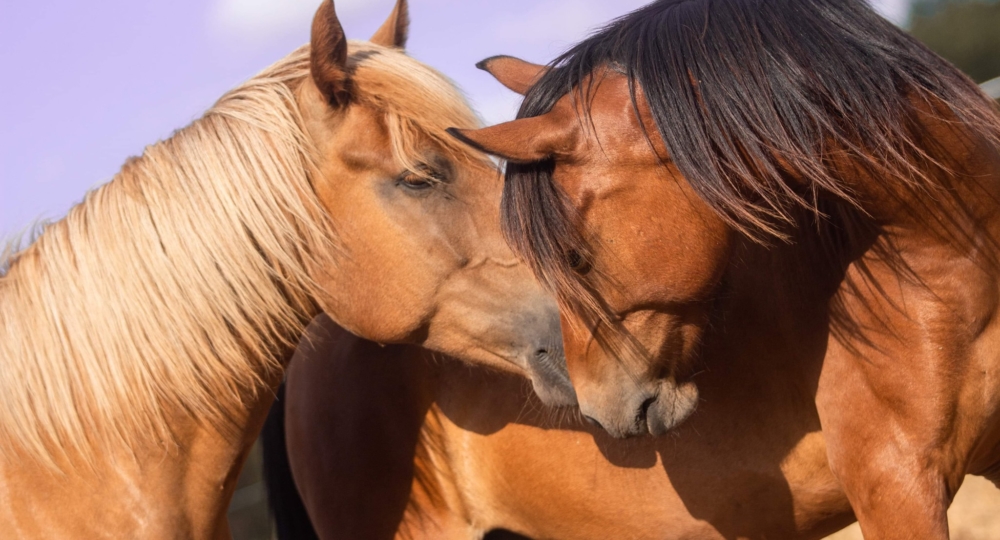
<point>91,83</point>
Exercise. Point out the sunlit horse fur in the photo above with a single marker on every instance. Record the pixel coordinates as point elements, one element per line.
<point>143,336</point>
<point>781,179</point>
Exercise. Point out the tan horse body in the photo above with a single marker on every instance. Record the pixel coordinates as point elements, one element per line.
<point>142,338</point>
<point>392,443</point>
<point>854,181</point>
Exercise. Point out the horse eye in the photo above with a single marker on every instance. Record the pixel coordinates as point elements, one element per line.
<point>577,262</point>
<point>414,182</point>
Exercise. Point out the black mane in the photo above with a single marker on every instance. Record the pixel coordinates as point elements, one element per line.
<point>747,94</point>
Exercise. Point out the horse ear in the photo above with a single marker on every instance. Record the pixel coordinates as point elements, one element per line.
<point>328,54</point>
<point>524,141</point>
<point>395,29</point>
<point>514,73</point>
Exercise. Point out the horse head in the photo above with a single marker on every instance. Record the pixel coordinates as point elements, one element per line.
<point>422,259</point>
<point>637,293</point>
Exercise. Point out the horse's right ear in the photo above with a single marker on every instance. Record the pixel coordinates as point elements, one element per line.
<point>526,140</point>
<point>328,54</point>
<point>514,73</point>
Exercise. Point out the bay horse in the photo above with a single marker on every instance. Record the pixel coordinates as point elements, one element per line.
<point>142,338</point>
<point>795,180</point>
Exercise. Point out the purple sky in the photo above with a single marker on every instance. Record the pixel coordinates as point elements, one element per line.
<point>91,83</point>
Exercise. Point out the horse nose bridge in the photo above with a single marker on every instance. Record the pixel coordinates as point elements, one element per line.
<point>539,320</point>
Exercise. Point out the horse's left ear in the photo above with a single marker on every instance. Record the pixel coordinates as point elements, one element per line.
<point>526,140</point>
<point>328,55</point>
<point>514,73</point>
<point>395,29</point>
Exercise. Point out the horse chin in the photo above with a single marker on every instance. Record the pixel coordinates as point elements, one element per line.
<point>674,404</point>
<point>554,395</point>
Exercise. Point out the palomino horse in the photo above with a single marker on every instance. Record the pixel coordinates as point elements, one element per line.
<point>142,338</point>
<point>795,180</point>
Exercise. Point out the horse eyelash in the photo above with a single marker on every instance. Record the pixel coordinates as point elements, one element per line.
<point>425,172</point>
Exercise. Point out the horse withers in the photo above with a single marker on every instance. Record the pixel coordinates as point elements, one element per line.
<point>142,338</point>
<point>796,180</point>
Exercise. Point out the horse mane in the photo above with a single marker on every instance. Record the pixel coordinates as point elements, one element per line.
<point>753,100</point>
<point>419,103</point>
<point>174,287</point>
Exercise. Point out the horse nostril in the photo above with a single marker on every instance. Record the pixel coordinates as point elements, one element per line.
<point>644,409</point>
<point>540,353</point>
<point>593,422</point>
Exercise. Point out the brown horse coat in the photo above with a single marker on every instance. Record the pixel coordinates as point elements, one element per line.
<point>392,442</point>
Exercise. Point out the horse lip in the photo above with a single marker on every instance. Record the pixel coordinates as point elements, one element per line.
<point>636,431</point>
<point>554,395</point>
<point>683,401</point>
<point>550,379</point>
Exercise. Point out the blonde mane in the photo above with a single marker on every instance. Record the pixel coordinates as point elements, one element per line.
<point>174,287</point>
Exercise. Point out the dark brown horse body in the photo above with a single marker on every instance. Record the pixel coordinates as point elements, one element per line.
<point>794,182</point>
<point>389,442</point>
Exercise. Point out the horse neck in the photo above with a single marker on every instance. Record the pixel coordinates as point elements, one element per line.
<point>138,367</point>
<point>945,205</point>
<point>848,274</point>
<point>774,310</point>
<point>177,287</point>
<point>182,486</point>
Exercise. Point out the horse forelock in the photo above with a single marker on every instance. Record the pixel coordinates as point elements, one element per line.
<point>419,103</point>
